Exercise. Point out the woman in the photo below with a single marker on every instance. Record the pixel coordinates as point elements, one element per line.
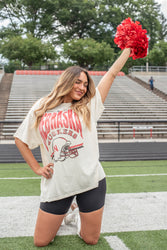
<point>64,125</point>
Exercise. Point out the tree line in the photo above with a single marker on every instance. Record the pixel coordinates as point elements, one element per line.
<point>67,32</point>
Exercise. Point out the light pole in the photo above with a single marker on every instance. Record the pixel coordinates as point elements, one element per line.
<point>147,64</point>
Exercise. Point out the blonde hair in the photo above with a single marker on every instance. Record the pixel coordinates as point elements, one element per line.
<point>62,88</point>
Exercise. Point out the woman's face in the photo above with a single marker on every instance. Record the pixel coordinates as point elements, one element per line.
<point>79,89</point>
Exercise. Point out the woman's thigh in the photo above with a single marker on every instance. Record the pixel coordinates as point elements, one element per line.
<point>49,220</point>
<point>91,204</point>
<point>91,226</point>
<point>46,228</point>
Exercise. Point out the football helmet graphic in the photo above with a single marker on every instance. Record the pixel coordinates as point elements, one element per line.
<point>61,149</point>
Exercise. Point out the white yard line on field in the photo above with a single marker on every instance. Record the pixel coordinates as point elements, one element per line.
<point>123,212</point>
<point>127,175</point>
<point>133,175</point>
<point>116,243</point>
<point>19,178</point>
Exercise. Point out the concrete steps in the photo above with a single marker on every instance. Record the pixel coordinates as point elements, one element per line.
<point>156,91</point>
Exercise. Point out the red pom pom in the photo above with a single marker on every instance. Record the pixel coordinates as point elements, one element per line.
<point>131,35</point>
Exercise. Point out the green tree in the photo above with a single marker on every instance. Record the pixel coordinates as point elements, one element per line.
<point>149,14</point>
<point>64,20</point>
<point>29,16</point>
<point>88,52</point>
<point>158,55</point>
<point>28,50</point>
<point>163,28</point>
<point>112,12</point>
<point>77,19</point>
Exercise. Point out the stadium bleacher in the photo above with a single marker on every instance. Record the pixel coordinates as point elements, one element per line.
<point>25,91</point>
<point>160,81</point>
<point>127,100</point>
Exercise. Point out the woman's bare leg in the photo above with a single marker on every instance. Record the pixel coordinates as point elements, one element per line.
<point>91,226</point>
<point>47,226</point>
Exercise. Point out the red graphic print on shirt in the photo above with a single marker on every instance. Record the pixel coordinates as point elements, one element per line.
<point>61,132</point>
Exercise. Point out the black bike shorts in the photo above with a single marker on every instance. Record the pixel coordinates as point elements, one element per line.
<point>88,201</point>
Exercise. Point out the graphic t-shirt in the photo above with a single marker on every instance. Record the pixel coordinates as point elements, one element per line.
<point>65,140</point>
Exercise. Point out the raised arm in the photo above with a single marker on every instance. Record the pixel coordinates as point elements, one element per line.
<point>107,80</point>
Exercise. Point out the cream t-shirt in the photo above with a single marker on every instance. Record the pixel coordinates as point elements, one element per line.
<point>65,141</point>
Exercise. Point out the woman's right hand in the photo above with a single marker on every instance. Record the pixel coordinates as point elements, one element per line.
<point>46,171</point>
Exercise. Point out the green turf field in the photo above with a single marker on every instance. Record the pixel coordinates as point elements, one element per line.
<point>133,184</point>
<point>121,179</point>
<point>147,240</point>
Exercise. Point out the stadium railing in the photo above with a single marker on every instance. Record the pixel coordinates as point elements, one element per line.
<point>109,130</point>
<point>148,69</point>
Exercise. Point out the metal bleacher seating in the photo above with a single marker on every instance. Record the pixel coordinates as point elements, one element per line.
<point>25,91</point>
<point>160,81</point>
<point>127,100</point>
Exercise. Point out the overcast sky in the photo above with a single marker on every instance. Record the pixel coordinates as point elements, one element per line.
<point>162,2</point>
<point>163,6</point>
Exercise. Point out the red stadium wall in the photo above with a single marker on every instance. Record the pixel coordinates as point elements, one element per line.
<point>58,72</point>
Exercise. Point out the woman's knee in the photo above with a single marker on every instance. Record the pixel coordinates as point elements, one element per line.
<point>41,242</point>
<point>91,240</point>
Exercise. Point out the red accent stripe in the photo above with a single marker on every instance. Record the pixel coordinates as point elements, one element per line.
<point>58,72</point>
<point>76,146</point>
